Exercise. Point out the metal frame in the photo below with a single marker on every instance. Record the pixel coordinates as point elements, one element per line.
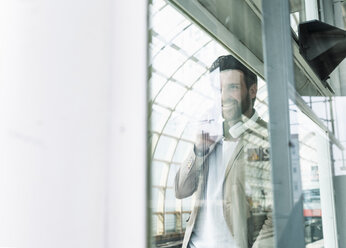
<point>278,56</point>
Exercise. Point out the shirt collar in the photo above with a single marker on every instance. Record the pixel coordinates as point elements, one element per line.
<point>240,127</point>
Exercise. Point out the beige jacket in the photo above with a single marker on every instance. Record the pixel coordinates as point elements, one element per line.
<point>238,205</point>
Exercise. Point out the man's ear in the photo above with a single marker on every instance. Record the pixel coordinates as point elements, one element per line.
<point>253,91</point>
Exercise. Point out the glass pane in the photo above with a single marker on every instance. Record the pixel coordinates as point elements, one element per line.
<point>169,223</point>
<point>168,22</point>
<point>155,199</point>
<point>209,126</point>
<point>191,40</point>
<point>159,117</point>
<point>313,158</point>
<point>156,86</point>
<point>164,64</point>
<point>175,125</point>
<point>182,151</point>
<point>154,224</point>
<point>165,148</point>
<point>211,122</point>
<point>172,172</point>
<point>170,199</point>
<point>157,175</point>
<point>170,94</point>
<point>189,73</point>
<point>315,117</point>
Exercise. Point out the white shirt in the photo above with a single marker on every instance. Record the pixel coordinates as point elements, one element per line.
<point>211,229</point>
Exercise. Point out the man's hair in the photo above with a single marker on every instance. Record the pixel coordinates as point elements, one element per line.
<point>228,62</point>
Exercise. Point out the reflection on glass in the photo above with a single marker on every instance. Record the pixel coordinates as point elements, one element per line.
<point>315,167</point>
<point>188,120</point>
<point>340,122</point>
<point>187,100</point>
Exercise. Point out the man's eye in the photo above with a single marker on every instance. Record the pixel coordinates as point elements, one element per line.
<point>235,87</point>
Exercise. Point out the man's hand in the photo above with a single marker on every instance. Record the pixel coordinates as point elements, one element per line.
<point>203,142</point>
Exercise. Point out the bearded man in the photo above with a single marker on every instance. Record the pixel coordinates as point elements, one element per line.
<point>229,174</point>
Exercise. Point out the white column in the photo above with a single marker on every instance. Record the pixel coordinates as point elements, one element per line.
<point>127,209</point>
<point>72,123</point>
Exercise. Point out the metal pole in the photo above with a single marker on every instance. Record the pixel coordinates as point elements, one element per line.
<point>332,15</point>
<point>278,57</point>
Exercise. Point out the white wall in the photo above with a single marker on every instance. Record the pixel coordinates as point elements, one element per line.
<point>68,125</point>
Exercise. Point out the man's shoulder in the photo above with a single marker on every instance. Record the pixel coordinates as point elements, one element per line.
<point>258,128</point>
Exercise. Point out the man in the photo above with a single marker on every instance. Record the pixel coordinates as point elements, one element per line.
<point>229,174</point>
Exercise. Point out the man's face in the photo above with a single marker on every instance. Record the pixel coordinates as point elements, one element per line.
<point>235,96</point>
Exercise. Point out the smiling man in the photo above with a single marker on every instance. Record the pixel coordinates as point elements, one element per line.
<point>231,208</point>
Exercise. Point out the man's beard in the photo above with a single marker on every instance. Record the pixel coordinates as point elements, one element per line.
<point>232,111</point>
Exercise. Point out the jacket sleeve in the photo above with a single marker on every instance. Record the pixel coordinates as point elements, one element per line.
<point>187,177</point>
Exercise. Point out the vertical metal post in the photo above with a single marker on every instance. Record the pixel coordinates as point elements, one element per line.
<point>288,217</point>
<point>339,22</point>
<point>332,15</point>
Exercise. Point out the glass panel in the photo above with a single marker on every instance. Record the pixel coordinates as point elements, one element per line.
<point>170,200</point>
<point>170,223</point>
<point>312,146</point>
<point>211,153</point>
<point>182,151</point>
<point>191,40</point>
<point>157,175</point>
<point>155,199</point>
<point>207,54</point>
<point>165,148</point>
<point>163,62</point>
<point>175,125</point>
<point>191,103</point>
<point>168,22</point>
<point>156,45</point>
<point>189,73</point>
<point>172,172</point>
<point>313,128</point>
<point>159,115</point>
<point>156,86</point>
<point>170,94</point>
<point>210,166</point>
<point>315,118</point>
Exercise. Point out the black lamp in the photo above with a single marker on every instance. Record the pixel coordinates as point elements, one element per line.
<point>323,46</point>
